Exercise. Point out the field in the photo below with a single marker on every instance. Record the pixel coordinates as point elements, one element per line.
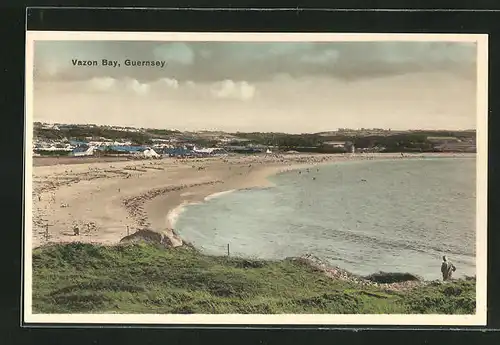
<point>145,278</point>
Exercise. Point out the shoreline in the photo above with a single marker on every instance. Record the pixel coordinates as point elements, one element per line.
<point>260,180</point>
<point>264,182</point>
<point>109,201</point>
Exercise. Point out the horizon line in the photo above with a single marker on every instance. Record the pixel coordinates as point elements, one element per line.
<point>262,131</point>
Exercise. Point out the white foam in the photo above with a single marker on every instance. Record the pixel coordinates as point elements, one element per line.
<point>175,213</point>
<point>219,194</point>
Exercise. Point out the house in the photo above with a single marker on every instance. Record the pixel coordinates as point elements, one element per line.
<point>50,126</point>
<point>242,149</point>
<point>334,144</point>
<point>77,143</point>
<point>208,151</point>
<point>346,146</point>
<point>177,151</point>
<point>150,153</point>
<point>126,148</point>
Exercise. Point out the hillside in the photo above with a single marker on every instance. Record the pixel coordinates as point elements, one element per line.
<point>146,278</point>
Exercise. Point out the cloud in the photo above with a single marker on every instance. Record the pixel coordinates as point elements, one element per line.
<point>285,103</point>
<point>102,84</point>
<point>259,51</point>
<point>327,56</point>
<point>229,89</point>
<point>137,87</point>
<point>224,89</point>
<point>174,52</point>
<point>108,84</point>
<point>169,83</point>
<point>54,58</point>
<point>205,53</point>
<point>209,62</point>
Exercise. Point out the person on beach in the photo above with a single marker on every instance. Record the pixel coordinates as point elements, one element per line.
<point>447,269</point>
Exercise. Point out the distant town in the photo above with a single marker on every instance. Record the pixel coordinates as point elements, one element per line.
<point>97,140</point>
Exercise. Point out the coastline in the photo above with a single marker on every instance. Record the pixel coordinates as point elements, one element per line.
<point>109,201</point>
<point>256,179</point>
<point>262,180</point>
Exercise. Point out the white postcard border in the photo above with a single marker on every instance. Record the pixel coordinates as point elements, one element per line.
<point>477,319</point>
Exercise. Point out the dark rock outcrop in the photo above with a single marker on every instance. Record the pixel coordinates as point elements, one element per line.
<point>147,236</point>
<point>390,278</point>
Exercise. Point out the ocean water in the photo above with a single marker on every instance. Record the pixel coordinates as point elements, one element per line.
<point>365,216</point>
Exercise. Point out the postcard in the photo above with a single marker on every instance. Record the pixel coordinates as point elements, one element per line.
<point>255,178</point>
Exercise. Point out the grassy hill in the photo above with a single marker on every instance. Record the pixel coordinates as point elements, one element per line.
<point>145,278</point>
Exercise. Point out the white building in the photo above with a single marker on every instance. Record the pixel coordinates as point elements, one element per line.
<point>150,153</point>
<point>88,152</point>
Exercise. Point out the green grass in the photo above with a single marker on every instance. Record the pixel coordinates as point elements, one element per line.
<point>140,278</point>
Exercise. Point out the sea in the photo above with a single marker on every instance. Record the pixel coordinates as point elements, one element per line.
<point>366,216</point>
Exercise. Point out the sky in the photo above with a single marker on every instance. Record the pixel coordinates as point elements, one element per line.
<point>293,87</point>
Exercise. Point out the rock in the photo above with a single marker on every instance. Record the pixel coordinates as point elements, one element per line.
<point>150,236</point>
<point>389,278</point>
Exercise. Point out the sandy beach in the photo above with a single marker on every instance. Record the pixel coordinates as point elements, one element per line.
<point>107,201</point>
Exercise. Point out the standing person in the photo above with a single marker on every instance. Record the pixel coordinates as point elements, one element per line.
<point>447,269</point>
